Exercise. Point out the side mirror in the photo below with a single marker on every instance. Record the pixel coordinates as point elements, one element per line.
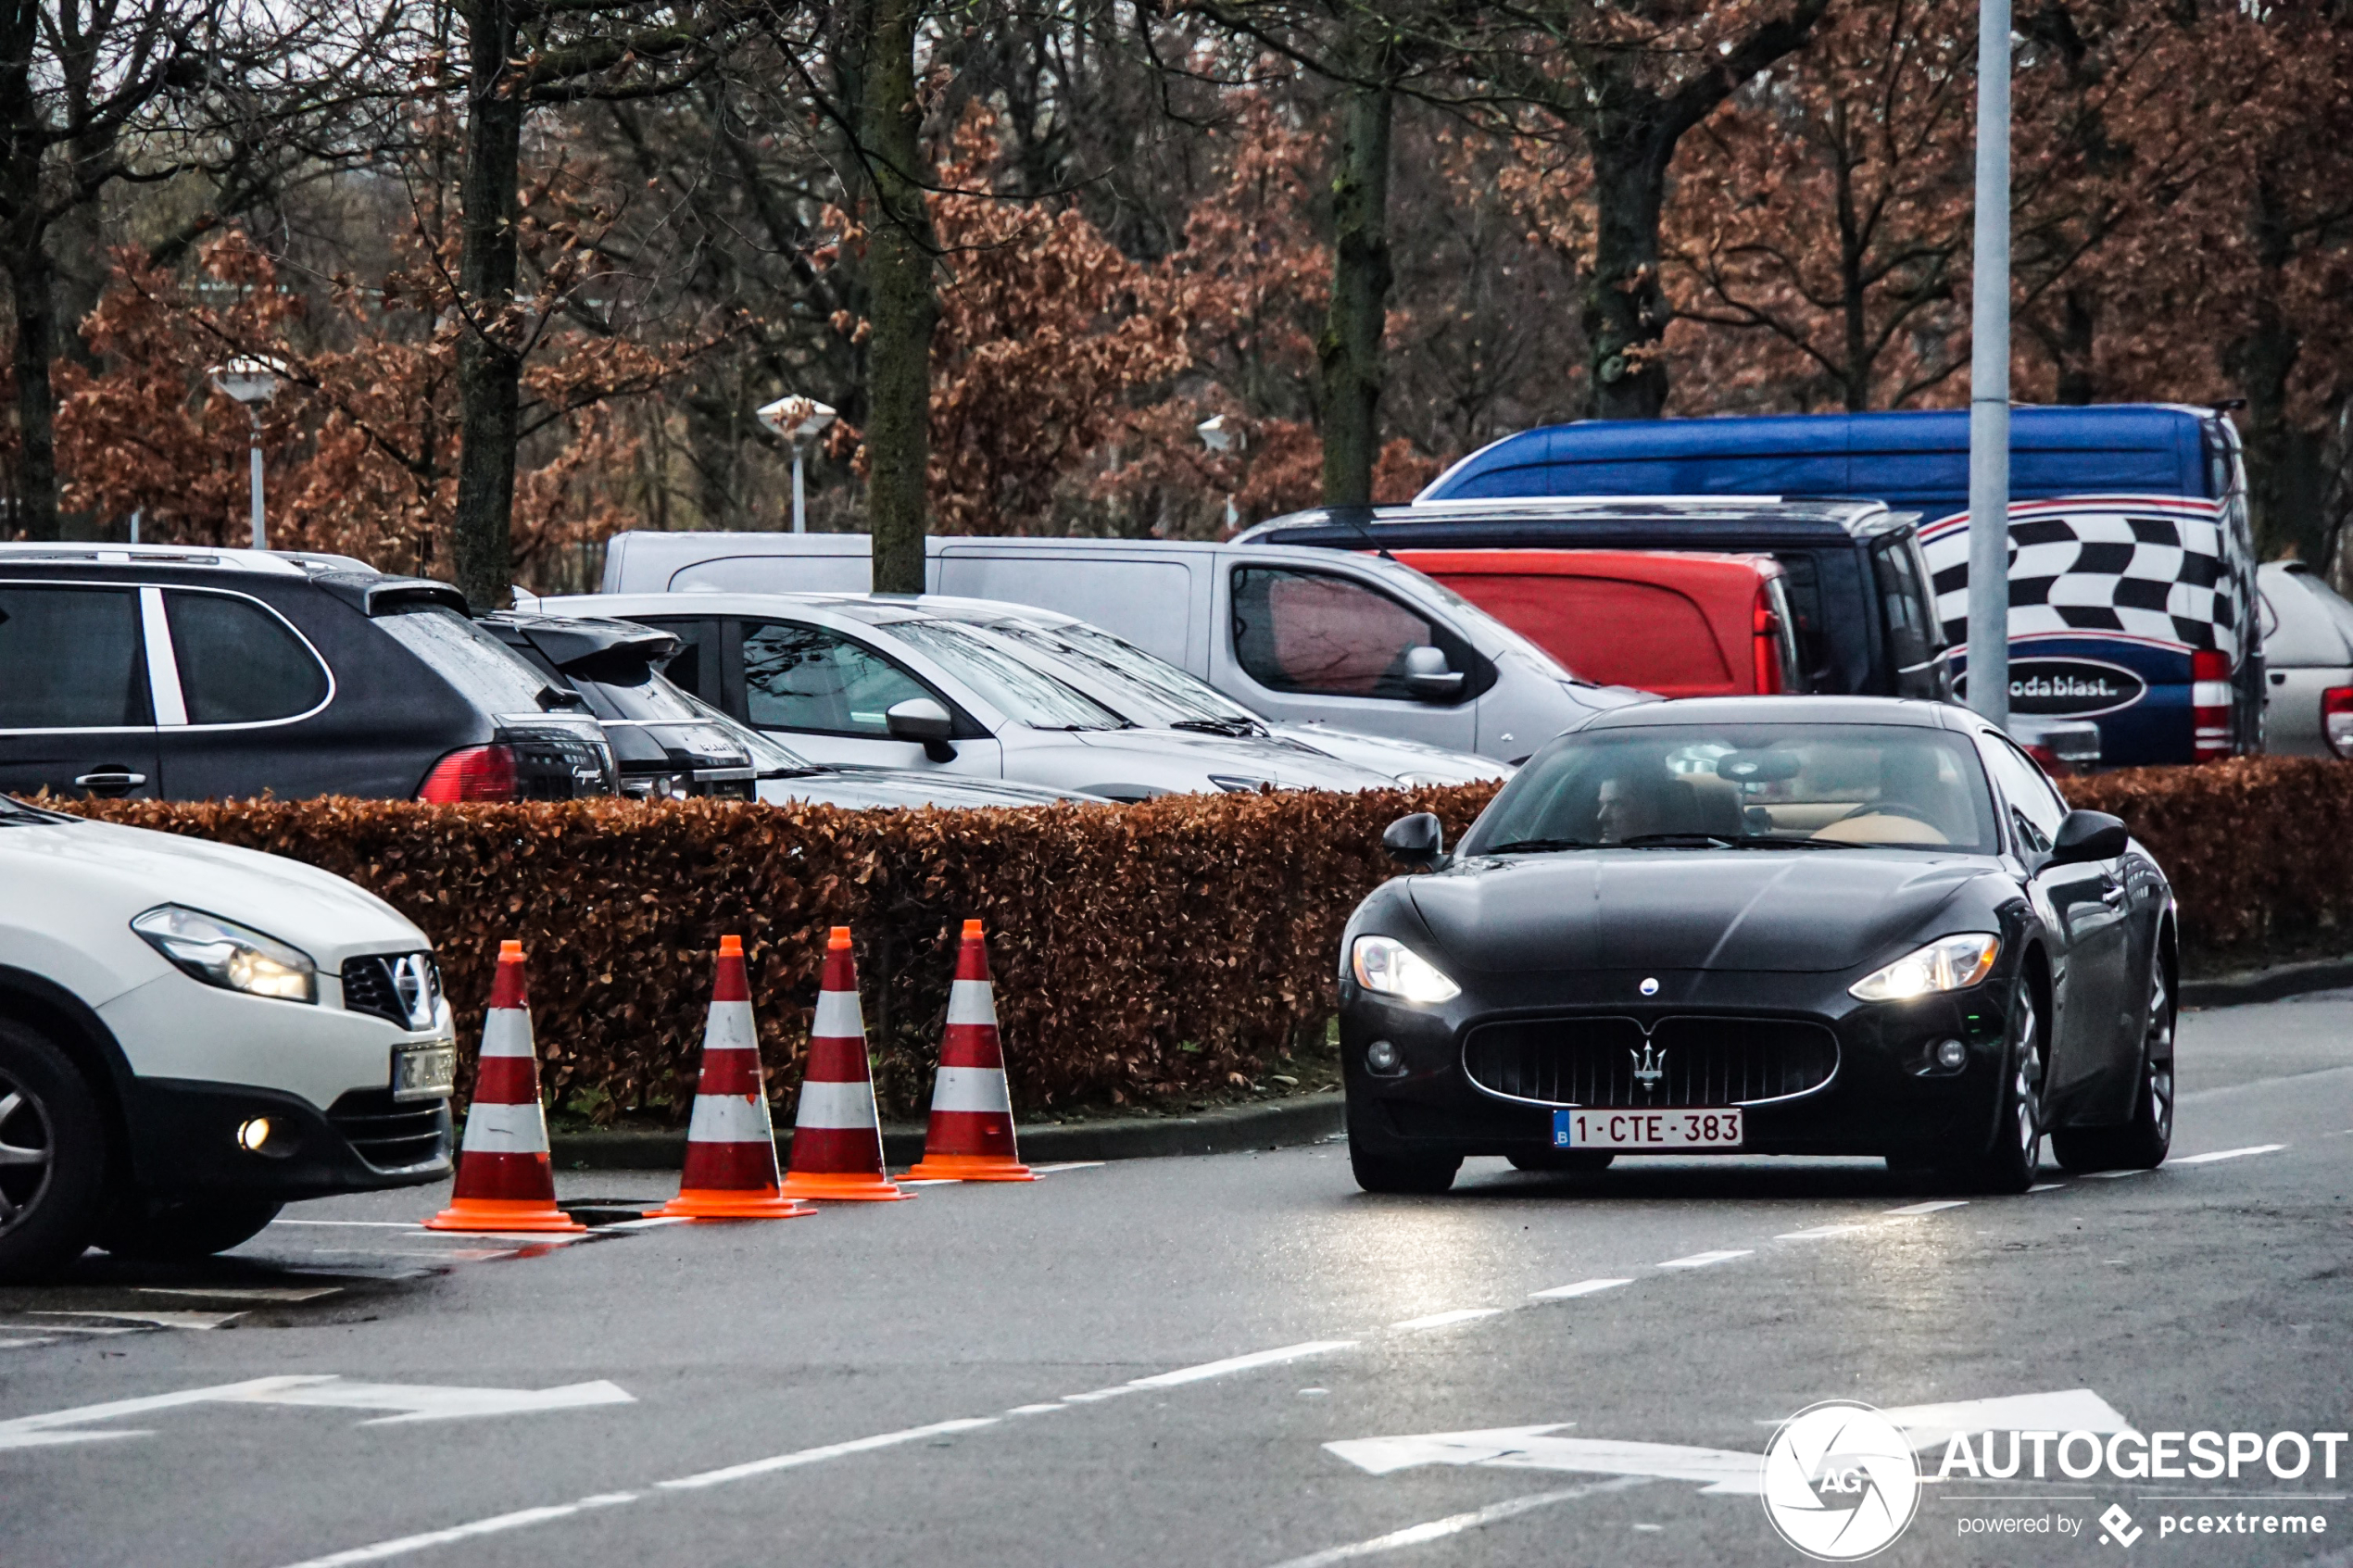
<point>1428,676</point>
<point>924,720</point>
<point>1418,841</point>
<point>2089,835</point>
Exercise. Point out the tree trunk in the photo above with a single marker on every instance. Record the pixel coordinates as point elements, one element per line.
<point>2079,320</point>
<point>902,308</point>
<point>489,365</point>
<point>33,284</point>
<point>1626,310</point>
<point>2282,462</point>
<point>1350,349</point>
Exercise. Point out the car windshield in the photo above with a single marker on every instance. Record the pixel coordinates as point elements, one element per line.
<point>487,673</point>
<point>1148,690</point>
<point>1026,697</point>
<point>1762,786</point>
<point>651,698</point>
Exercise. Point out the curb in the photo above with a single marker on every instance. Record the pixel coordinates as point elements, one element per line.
<point>2276,983</point>
<point>1302,1118</point>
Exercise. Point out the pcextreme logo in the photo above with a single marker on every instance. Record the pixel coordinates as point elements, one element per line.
<point>1840,1481</point>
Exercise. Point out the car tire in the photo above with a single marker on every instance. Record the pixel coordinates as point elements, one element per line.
<point>2015,1154</point>
<point>2143,1143</point>
<point>1557,1160</point>
<point>1425,1174</point>
<point>53,1157</point>
<point>183,1229</point>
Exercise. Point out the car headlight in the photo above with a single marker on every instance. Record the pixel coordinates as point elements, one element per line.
<point>1234,784</point>
<point>1386,965</point>
<point>1420,781</point>
<point>1949,963</point>
<point>221,952</point>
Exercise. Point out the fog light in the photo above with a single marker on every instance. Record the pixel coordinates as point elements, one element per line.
<point>1951,1054</point>
<point>1381,1057</point>
<point>253,1135</point>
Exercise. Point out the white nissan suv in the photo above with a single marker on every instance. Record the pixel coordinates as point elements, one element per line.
<point>192,1035</point>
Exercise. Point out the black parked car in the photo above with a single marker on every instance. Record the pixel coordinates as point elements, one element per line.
<point>1765,925</point>
<point>154,671</point>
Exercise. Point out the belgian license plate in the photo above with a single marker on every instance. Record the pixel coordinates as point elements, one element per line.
<point>424,1072</point>
<point>1646,1129</point>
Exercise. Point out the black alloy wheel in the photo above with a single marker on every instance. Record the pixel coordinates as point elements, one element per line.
<point>53,1157</point>
<point>1408,1174</point>
<point>183,1229</point>
<point>2141,1143</point>
<point>2009,1165</point>
<point>1555,1161</point>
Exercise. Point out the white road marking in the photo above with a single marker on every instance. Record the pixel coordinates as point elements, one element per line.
<point>24,1343</point>
<point>2067,1410</point>
<point>1935,1206</point>
<point>66,1328</point>
<point>1094,1395</point>
<point>1455,1524</point>
<point>456,1533</point>
<point>1582,1287</point>
<point>414,1402</point>
<point>2229,1154</point>
<point>818,1455</point>
<point>1035,1410</point>
<point>1819,1232</point>
<point>246,1292</point>
<point>355,1224</point>
<point>1242,1363</point>
<point>39,1431</point>
<point>1444,1320</point>
<point>1704,1259</point>
<point>1066,1165</point>
<point>161,1319</point>
<point>1725,1472</point>
<point>2046,1186</point>
<point>2115,1176</point>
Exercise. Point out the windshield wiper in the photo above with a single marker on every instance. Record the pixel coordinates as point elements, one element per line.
<point>1220,726</point>
<point>1537,846</point>
<point>1794,843</point>
<point>1675,841</point>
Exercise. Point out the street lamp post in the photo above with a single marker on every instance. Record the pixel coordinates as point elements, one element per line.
<point>800,420</point>
<point>252,380</point>
<point>1221,438</point>
<point>1989,377</point>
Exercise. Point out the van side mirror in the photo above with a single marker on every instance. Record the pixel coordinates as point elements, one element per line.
<point>2089,835</point>
<point>924,720</point>
<point>1428,676</point>
<point>1418,841</point>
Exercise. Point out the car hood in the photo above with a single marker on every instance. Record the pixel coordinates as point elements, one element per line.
<point>1287,764</point>
<point>861,789</point>
<point>1396,758</point>
<point>1795,910</point>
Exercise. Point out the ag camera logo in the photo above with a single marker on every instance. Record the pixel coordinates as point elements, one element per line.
<point>1840,1481</point>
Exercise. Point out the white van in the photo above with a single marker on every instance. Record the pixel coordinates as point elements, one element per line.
<point>1299,637</point>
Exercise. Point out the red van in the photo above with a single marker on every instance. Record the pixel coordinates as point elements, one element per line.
<point>1679,624</point>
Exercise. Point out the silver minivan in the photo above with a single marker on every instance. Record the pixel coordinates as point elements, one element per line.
<point>2308,663</point>
<point>1297,636</point>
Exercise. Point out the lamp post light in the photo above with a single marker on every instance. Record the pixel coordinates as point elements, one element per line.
<point>252,380</point>
<point>800,420</point>
<point>1221,438</point>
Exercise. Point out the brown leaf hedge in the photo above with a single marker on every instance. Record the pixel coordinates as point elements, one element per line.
<point>1139,952</point>
<point>1170,946</point>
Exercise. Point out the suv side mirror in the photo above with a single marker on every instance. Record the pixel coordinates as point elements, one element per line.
<point>2089,835</point>
<point>922,719</point>
<point>1418,841</point>
<point>1428,676</point>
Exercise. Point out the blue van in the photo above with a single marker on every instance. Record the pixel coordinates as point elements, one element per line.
<point>2131,562</point>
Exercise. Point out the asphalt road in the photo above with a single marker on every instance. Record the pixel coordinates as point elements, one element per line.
<point>1034,1374</point>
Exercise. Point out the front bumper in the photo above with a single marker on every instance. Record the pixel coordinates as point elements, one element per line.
<point>1881,1099</point>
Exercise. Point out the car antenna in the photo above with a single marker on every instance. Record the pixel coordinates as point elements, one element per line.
<point>1358,524</point>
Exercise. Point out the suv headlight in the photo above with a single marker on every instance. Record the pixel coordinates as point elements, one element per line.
<point>221,952</point>
<point>1949,963</point>
<point>1386,965</point>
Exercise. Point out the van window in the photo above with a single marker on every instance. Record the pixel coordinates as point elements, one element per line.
<point>1906,615</point>
<point>1607,630</point>
<point>1801,580</point>
<point>808,678</point>
<point>239,664</point>
<point>73,658</point>
<point>1313,631</point>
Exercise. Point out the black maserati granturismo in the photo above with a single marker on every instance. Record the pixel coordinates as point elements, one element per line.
<point>1811,926</point>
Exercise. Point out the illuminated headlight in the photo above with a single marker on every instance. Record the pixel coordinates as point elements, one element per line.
<point>222,953</point>
<point>1386,965</point>
<point>1949,963</point>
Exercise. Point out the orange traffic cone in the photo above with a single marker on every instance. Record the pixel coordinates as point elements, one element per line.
<point>731,1145</point>
<point>504,1180</point>
<point>836,1141</point>
<point>970,1136</point>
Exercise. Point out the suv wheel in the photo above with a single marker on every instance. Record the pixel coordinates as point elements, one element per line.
<point>178,1229</point>
<point>53,1157</point>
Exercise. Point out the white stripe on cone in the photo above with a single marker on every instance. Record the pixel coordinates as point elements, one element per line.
<point>837,1105</point>
<point>504,1129</point>
<point>730,1028</point>
<point>838,1017</point>
<point>728,1119</point>
<point>506,1031</point>
<point>972,1001</point>
<point>971,1088</point>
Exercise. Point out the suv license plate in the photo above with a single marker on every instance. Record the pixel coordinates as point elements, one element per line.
<point>1646,1129</point>
<point>424,1072</point>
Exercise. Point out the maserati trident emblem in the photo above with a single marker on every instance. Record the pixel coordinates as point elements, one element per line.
<point>1650,1066</point>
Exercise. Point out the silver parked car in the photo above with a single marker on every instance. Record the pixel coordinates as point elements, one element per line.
<point>879,682</point>
<point>2308,661</point>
